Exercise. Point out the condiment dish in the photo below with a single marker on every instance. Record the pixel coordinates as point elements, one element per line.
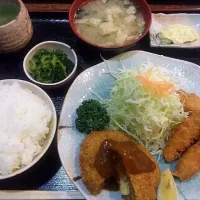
<point>161,21</point>
<point>51,45</point>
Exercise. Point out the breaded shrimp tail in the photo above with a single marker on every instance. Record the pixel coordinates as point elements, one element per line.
<point>142,186</point>
<point>191,101</point>
<point>189,164</point>
<point>183,136</point>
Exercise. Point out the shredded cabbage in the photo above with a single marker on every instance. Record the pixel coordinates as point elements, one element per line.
<point>142,114</point>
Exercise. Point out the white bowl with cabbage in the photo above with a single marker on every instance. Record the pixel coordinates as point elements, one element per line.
<point>27,126</point>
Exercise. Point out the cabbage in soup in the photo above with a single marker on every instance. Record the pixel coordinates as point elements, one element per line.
<point>109,23</point>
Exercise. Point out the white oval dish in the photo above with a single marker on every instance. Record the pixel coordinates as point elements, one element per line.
<point>43,95</point>
<point>160,21</point>
<point>96,80</point>
<point>51,45</point>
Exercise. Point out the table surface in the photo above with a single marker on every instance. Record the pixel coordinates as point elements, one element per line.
<point>48,174</point>
<point>155,5</point>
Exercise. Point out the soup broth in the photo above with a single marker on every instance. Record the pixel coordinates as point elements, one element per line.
<point>109,23</point>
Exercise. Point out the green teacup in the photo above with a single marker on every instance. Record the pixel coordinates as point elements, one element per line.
<point>8,11</point>
<point>15,26</point>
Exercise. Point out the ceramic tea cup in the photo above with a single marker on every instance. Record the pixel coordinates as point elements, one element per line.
<point>15,26</point>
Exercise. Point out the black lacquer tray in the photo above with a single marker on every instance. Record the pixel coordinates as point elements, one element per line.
<point>48,174</point>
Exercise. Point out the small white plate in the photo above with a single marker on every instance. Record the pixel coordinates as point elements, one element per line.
<point>160,21</point>
<point>94,79</point>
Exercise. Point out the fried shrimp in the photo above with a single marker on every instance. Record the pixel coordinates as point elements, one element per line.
<point>188,165</point>
<point>183,136</point>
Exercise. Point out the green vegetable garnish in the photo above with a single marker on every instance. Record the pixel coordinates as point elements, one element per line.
<point>92,116</point>
<point>127,5</point>
<point>50,66</point>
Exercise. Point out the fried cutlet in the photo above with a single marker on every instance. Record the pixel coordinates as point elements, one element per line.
<point>143,186</point>
<point>190,101</point>
<point>189,164</point>
<point>182,137</point>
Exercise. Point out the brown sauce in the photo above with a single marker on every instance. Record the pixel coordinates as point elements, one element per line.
<point>103,161</point>
<point>77,178</point>
<point>134,160</point>
<point>111,184</point>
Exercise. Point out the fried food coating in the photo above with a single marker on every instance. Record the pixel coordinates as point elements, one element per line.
<point>191,101</point>
<point>182,137</point>
<point>189,165</point>
<point>144,185</point>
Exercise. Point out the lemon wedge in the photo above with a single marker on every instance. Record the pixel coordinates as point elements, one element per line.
<point>167,189</point>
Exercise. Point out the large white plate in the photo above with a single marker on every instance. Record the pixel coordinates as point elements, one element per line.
<point>160,21</point>
<point>94,79</point>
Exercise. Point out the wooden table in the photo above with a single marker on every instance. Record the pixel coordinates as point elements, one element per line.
<point>156,6</point>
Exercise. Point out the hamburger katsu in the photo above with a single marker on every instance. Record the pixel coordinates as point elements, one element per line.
<point>112,155</point>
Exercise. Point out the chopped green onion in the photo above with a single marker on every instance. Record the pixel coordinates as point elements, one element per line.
<point>50,66</point>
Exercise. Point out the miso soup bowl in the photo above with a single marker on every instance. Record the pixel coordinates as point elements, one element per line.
<point>144,9</point>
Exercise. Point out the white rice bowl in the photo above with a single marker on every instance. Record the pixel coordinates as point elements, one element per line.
<point>27,126</point>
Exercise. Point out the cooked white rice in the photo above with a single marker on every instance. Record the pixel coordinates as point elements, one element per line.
<point>24,125</point>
